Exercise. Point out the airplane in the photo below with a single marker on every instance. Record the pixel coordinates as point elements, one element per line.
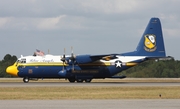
<point>80,68</point>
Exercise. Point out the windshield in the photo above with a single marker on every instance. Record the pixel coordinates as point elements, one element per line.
<point>17,62</point>
<point>20,61</point>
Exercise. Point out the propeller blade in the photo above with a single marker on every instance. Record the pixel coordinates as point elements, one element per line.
<point>64,53</point>
<point>63,66</point>
<point>71,50</point>
<point>72,58</point>
<point>63,59</point>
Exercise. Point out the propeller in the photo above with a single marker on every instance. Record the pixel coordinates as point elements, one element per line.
<point>63,59</point>
<point>73,58</point>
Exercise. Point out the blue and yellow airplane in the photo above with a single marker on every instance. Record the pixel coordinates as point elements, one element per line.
<point>87,67</point>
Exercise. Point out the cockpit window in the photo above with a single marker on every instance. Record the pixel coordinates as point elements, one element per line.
<point>23,61</point>
<point>17,62</point>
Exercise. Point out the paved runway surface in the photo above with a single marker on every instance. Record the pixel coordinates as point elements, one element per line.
<point>58,84</point>
<point>91,104</point>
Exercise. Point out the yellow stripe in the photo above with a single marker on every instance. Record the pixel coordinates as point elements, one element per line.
<point>61,64</point>
<point>131,64</point>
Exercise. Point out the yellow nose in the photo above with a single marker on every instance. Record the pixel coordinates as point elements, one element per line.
<point>12,70</point>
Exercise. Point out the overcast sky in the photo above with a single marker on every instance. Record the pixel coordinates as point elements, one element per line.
<point>90,26</point>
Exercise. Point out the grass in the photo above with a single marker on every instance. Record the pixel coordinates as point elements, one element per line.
<point>56,93</point>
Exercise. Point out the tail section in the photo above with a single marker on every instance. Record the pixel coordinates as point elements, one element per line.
<point>151,43</point>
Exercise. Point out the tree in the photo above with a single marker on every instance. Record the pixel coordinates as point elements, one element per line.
<point>7,61</point>
<point>158,69</point>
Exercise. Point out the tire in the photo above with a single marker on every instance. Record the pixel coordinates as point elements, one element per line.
<point>79,80</point>
<point>88,80</point>
<point>71,80</point>
<point>26,79</point>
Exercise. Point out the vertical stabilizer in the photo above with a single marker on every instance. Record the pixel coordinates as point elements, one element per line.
<point>151,43</point>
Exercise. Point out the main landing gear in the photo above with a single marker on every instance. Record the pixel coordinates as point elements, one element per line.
<point>72,80</point>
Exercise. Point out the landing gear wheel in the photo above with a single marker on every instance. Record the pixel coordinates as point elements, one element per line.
<point>88,80</point>
<point>79,80</point>
<point>72,80</point>
<point>26,79</point>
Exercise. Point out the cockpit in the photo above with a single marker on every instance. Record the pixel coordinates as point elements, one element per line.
<point>23,60</point>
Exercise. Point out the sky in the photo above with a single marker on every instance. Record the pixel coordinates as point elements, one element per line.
<point>90,26</point>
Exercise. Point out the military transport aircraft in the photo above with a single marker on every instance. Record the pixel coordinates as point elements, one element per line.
<point>81,68</point>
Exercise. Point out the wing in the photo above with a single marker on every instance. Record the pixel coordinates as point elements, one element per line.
<point>83,59</point>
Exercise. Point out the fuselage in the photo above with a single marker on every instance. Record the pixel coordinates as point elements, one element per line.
<point>49,66</point>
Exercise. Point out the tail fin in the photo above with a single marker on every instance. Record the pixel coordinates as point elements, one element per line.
<point>151,43</point>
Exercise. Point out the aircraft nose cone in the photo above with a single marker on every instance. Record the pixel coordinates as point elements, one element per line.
<point>12,70</point>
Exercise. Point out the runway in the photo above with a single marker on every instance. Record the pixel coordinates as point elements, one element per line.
<point>66,84</point>
<point>91,104</point>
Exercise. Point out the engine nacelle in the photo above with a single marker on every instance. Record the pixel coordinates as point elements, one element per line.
<point>62,73</point>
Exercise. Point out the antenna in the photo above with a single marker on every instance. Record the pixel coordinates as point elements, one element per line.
<point>48,51</point>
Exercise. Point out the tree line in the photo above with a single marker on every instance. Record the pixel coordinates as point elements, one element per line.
<point>155,69</point>
<point>148,69</point>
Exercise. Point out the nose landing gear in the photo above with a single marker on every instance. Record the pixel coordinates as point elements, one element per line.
<point>26,79</point>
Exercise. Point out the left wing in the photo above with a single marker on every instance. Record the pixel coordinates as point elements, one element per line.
<point>83,59</point>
